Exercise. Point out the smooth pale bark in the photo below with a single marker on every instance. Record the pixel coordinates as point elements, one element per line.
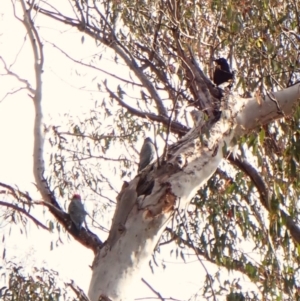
<point>39,137</point>
<point>193,160</point>
<point>262,111</point>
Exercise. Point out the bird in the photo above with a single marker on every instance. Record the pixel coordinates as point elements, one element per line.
<point>147,153</point>
<point>76,211</point>
<point>222,72</point>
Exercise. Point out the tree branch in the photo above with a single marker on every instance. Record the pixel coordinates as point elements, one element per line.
<point>229,263</point>
<point>113,43</point>
<point>23,211</point>
<point>256,178</point>
<point>22,80</point>
<point>38,151</point>
<point>158,294</point>
<point>15,193</point>
<point>85,237</point>
<point>175,126</point>
<point>96,68</point>
<point>259,183</point>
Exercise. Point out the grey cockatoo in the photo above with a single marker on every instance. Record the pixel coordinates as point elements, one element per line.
<point>76,211</point>
<point>147,154</point>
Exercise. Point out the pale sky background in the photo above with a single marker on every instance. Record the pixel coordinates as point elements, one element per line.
<point>61,94</point>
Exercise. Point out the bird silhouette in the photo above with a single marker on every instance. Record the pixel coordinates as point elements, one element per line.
<point>222,72</point>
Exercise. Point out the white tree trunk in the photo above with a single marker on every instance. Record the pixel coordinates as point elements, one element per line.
<point>193,161</point>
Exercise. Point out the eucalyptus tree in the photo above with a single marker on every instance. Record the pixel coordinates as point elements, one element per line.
<point>229,178</point>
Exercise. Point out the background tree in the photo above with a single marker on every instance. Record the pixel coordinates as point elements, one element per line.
<point>163,51</point>
<point>40,286</point>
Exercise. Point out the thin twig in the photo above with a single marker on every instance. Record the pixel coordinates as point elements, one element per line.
<point>193,247</point>
<point>23,211</point>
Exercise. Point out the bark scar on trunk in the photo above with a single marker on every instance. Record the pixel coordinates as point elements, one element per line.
<point>165,204</point>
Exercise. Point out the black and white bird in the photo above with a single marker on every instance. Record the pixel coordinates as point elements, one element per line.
<point>147,154</point>
<point>222,72</point>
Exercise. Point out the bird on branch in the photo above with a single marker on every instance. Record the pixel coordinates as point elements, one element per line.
<point>76,211</point>
<point>222,72</point>
<point>147,154</point>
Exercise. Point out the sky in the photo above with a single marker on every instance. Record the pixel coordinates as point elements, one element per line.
<point>62,94</point>
<point>16,160</point>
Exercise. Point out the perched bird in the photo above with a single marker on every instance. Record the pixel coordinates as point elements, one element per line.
<point>222,72</point>
<point>76,211</point>
<point>147,154</point>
